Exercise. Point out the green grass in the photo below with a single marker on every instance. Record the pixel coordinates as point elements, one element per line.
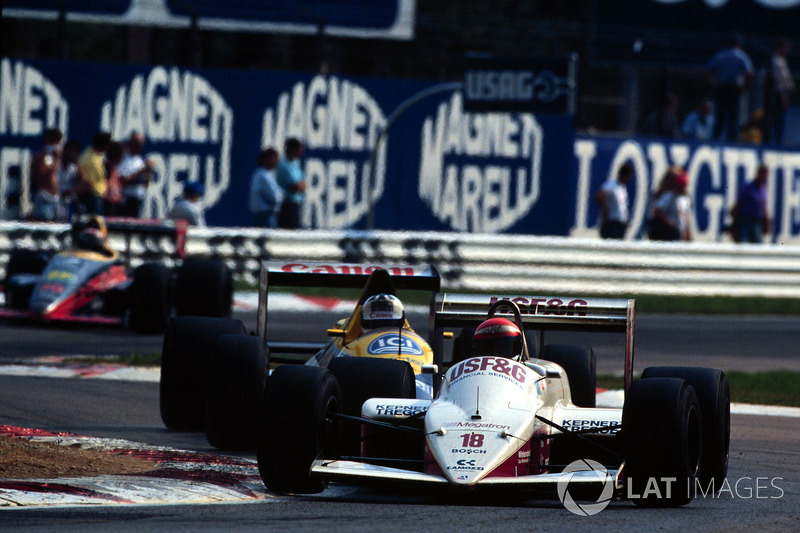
<point>778,387</point>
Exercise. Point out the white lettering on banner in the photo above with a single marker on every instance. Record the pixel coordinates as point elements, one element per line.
<point>29,104</point>
<point>175,106</point>
<point>333,115</point>
<point>473,195</point>
<point>716,173</point>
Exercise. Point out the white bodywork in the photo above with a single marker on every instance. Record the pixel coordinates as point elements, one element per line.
<point>481,428</point>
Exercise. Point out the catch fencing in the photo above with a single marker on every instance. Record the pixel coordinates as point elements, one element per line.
<point>535,265</point>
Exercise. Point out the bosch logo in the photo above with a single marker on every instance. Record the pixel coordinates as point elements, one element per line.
<point>392,343</point>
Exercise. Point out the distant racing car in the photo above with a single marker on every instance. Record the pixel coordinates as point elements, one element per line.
<point>90,282</point>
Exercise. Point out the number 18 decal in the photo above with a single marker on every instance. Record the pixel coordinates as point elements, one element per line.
<point>472,440</point>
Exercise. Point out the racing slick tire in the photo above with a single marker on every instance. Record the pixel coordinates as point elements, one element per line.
<point>188,345</point>
<point>150,298</point>
<point>362,378</point>
<point>714,394</point>
<point>297,424</point>
<point>580,364</point>
<point>235,385</point>
<point>22,261</point>
<point>662,442</point>
<point>203,287</point>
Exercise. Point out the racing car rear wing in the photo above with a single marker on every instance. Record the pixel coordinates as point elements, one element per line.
<point>545,313</point>
<point>337,275</point>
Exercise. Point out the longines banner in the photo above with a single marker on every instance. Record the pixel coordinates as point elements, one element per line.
<point>438,168</point>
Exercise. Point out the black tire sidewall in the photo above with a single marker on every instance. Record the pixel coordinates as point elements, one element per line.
<point>188,345</point>
<point>236,373</point>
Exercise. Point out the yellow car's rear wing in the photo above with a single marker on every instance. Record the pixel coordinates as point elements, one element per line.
<point>540,312</point>
<point>341,276</point>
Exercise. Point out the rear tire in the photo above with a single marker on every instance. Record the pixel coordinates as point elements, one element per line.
<point>150,298</point>
<point>236,375</point>
<point>188,345</point>
<point>203,287</point>
<point>662,441</point>
<point>296,427</point>
<point>580,364</point>
<point>714,394</point>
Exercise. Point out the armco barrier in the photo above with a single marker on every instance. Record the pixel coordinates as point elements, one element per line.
<point>527,264</point>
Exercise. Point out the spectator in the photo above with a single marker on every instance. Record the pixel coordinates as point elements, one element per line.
<point>187,206</point>
<point>135,172</point>
<point>671,209</point>
<point>729,71</point>
<point>750,216</point>
<point>68,176</point>
<point>112,199</point>
<point>44,176</point>
<point>664,121</point>
<point>291,179</point>
<point>779,86</point>
<point>94,182</point>
<point>266,196</point>
<point>699,123</point>
<point>613,201</point>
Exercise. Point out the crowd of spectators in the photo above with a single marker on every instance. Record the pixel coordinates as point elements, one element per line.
<point>729,82</point>
<point>68,180</point>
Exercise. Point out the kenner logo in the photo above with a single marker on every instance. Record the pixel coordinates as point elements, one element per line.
<point>389,343</point>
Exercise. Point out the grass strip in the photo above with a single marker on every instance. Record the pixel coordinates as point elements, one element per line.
<point>774,387</point>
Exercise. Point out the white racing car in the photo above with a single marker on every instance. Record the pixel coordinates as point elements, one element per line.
<point>501,419</point>
<point>488,413</point>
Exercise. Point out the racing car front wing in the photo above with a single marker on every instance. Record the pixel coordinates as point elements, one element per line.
<point>356,473</point>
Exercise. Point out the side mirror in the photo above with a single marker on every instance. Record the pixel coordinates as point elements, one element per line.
<point>430,369</point>
<point>335,332</point>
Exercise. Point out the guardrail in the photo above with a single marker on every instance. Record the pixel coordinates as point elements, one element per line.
<point>496,263</point>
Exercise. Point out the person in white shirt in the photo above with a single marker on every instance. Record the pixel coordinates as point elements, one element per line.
<point>266,196</point>
<point>187,207</point>
<point>612,199</point>
<point>134,172</point>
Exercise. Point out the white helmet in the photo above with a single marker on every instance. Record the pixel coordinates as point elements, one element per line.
<point>382,311</point>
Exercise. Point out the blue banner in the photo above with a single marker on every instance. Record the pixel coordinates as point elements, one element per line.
<point>438,168</point>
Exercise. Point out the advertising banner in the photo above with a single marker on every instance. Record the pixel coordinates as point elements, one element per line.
<point>438,168</point>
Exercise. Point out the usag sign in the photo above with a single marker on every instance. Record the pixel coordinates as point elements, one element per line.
<point>542,85</point>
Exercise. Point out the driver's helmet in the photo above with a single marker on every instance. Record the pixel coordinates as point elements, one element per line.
<point>382,311</point>
<point>499,337</point>
<point>91,239</point>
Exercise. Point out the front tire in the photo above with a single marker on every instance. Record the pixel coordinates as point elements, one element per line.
<point>662,441</point>
<point>714,395</point>
<point>362,378</point>
<point>297,424</point>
